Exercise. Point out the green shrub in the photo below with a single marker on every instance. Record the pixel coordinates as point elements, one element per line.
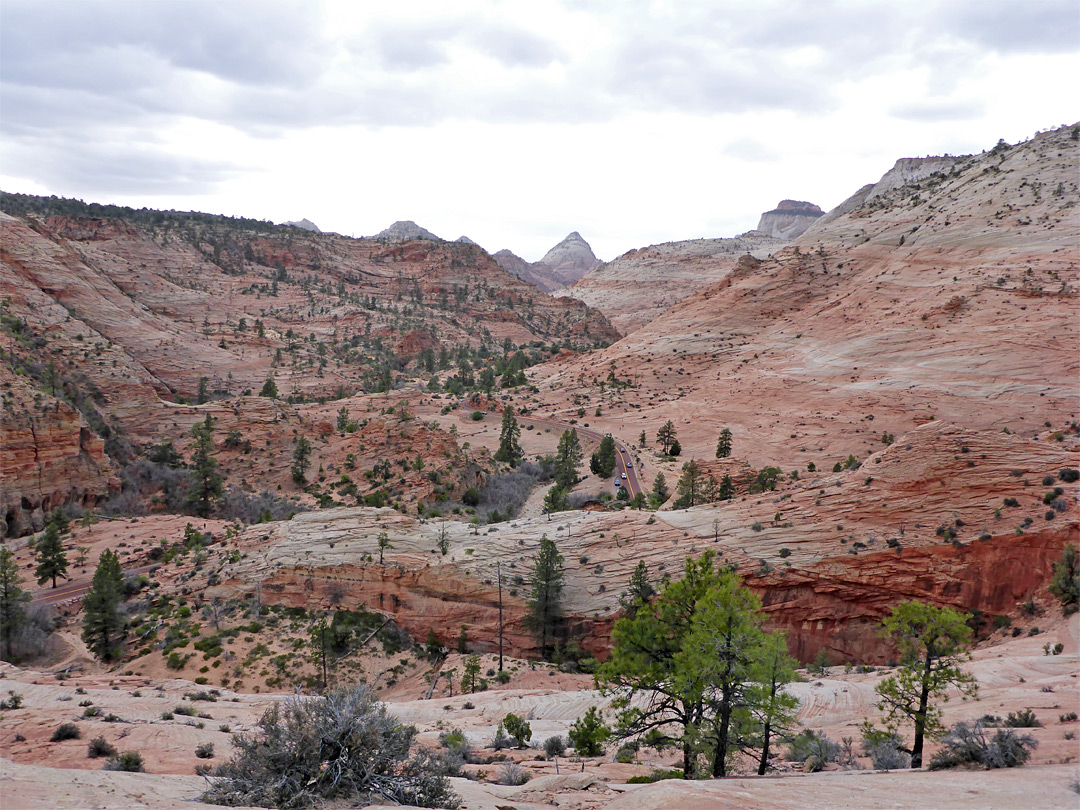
<point>127,761</point>
<point>100,747</point>
<point>205,751</point>
<point>1025,718</point>
<point>518,729</point>
<point>555,746</point>
<point>66,731</point>
<point>589,733</point>
<point>656,776</point>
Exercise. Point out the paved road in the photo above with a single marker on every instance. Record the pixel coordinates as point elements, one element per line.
<point>623,454</point>
<point>76,589</point>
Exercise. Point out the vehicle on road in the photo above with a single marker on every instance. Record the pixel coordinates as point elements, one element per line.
<point>624,475</point>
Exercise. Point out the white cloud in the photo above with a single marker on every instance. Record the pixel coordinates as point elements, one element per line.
<point>632,122</point>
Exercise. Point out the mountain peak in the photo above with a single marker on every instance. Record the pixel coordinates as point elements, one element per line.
<point>406,229</point>
<point>305,224</point>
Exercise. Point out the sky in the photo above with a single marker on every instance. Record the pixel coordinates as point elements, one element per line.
<point>515,123</point>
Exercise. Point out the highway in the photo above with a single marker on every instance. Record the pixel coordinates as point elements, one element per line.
<point>623,454</point>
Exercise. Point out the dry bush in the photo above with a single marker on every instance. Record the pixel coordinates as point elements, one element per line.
<point>344,746</point>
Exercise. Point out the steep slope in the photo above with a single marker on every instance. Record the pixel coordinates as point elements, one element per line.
<point>953,297</point>
<point>129,311</point>
<point>641,284</point>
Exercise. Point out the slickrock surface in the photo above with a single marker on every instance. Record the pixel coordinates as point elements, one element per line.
<point>955,297</point>
<point>789,219</point>
<point>642,284</point>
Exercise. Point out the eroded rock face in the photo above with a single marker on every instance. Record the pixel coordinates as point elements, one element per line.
<point>789,219</point>
<point>49,457</point>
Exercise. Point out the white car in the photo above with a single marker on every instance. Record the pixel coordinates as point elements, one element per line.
<point>624,475</point>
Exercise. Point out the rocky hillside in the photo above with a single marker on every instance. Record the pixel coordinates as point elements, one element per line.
<point>952,297</point>
<point>560,267</point>
<point>127,312</point>
<point>789,220</point>
<point>642,284</point>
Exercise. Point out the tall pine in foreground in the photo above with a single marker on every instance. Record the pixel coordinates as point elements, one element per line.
<point>103,625</point>
<point>545,600</point>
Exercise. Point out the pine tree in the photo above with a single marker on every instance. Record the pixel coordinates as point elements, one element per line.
<point>205,483</point>
<point>301,460</point>
<point>509,451</point>
<point>694,486</point>
<point>556,500</point>
<point>269,388</point>
<point>568,459</point>
<point>660,492</point>
<point>547,583</point>
<point>723,444</point>
<point>638,592</point>
<point>52,560</point>
<point>666,435</point>
<point>103,626</point>
<point>602,462</point>
<point>12,599</point>
<point>727,489</point>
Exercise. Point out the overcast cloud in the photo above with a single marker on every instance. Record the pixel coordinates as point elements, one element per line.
<point>632,122</point>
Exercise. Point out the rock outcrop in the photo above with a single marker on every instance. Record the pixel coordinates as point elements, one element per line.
<point>306,225</point>
<point>789,219</point>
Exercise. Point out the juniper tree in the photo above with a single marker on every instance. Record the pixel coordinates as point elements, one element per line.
<point>269,388</point>
<point>301,460</point>
<point>660,492</point>
<point>666,435</point>
<point>602,462</point>
<point>694,487</point>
